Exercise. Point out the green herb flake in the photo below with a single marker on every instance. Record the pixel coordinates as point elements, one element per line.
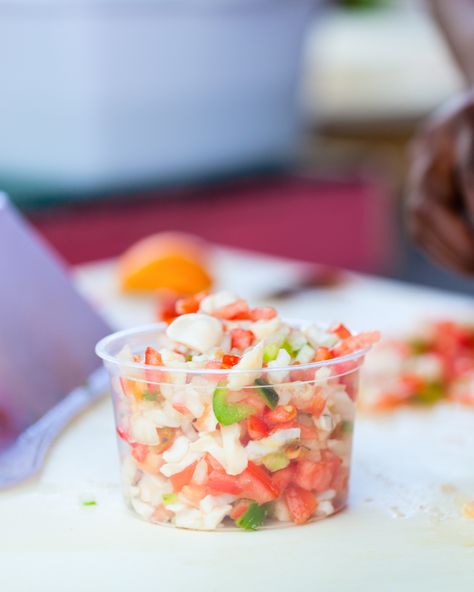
<point>89,503</point>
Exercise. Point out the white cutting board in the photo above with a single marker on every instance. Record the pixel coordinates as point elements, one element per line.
<point>403,529</point>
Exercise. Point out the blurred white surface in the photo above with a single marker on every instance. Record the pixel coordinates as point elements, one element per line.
<point>387,63</point>
<point>403,529</point>
<point>96,95</point>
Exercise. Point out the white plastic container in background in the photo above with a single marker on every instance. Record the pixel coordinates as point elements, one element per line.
<point>97,95</point>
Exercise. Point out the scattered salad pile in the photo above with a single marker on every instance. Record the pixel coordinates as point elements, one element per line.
<point>230,416</point>
<point>435,364</point>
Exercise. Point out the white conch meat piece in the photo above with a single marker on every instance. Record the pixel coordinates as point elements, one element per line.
<point>214,302</point>
<point>199,332</point>
<point>283,359</point>
<point>251,360</point>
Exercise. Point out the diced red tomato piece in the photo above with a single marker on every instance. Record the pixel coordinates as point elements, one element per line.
<point>257,428</point>
<point>140,452</point>
<point>218,483</point>
<point>257,484</point>
<point>341,331</point>
<point>340,480</point>
<point>239,509</point>
<point>318,403</point>
<point>190,304</point>
<point>303,375</point>
<point>308,432</point>
<point>304,473</point>
<point>322,354</point>
<point>284,477</point>
<point>241,338</point>
<point>287,425</point>
<point>179,480</point>
<point>228,360</point>
<point>263,313</point>
<point>152,357</point>
<point>281,414</point>
<point>166,307</point>
<point>122,433</point>
<point>301,504</point>
<point>317,475</point>
<point>238,310</point>
<point>322,476</point>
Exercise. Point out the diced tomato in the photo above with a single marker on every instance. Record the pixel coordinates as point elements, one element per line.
<point>355,343</point>
<point>317,475</point>
<point>218,483</point>
<point>167,436</point>
<point>341,331</point>
<point>152,357</point>
<point>179,480</point>
<point>304,473</point>
<point>340,480</point>
<point>323,476</point>
<point>263,313</point>
<point>239,509</point>
<point>284,477</point>
<point>140,452</point>
<point>301,504</point>
<point>303,375</point>
<point>257,428</point>
<point>318,403</point>
<point>323,353</point>
<point>238,310</point>
<point>281,414</point>
<point>228,360</point>
<point>190,304</point>
<point>287,425</point>
<point>257,484</point>
<point>241,338</point>
<point>166,307</point>
<point>122,433</point>
<point>308,432</point>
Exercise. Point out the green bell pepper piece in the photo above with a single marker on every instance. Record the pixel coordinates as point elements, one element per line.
<point>253,517</point>
<point>228,413</point>
<point>269,394</point>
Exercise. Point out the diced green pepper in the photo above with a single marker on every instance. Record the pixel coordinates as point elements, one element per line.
<point>347,427</point>
<point>228,413</point>
<point>253,517</point>
<point>89,503</point>
<point>275,461</point>
<point>169,498</point>
<point>285,345</point>
<point>270,352</point>
<point>430,393</point>
<point>148,396</point>
<point>269,394</point>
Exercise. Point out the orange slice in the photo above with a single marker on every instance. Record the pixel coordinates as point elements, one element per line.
<point>172,261</point>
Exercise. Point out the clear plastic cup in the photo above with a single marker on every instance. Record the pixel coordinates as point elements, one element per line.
<point>199,450</point>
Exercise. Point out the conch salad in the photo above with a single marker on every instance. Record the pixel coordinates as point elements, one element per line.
<point>434,364</point>
<point>228,415</point>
